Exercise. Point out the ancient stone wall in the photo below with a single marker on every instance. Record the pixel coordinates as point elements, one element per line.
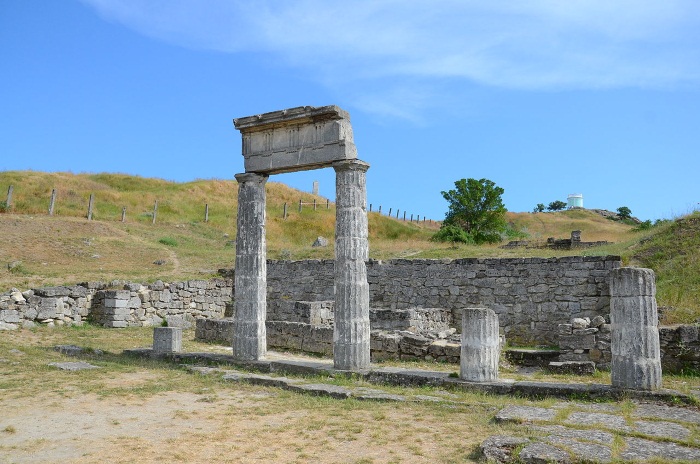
<point>531,296</point>
<point>117,304</point>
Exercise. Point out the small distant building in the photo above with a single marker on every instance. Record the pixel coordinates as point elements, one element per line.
<point>575,200</point>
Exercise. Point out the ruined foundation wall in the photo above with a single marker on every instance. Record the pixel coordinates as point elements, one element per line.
<point>531,296</point>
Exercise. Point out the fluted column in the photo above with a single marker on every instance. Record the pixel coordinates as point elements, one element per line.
<point>480,345</point>
<point>250,298</point>
<point>351,337</point>
<point>636,355</point>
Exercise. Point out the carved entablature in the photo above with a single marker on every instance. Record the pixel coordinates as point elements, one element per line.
<point>296,139</point>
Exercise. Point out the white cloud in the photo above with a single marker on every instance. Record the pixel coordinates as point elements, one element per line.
<point>540,44</point>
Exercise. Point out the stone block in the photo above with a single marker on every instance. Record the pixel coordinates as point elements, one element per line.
<point>575,342</point>
<point>167,339</point>
<point>572,367</point>
<point>116,303</point>
<point>9,315</point>
<point>296,139</point>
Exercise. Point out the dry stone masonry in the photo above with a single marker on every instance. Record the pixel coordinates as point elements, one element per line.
<point>531,296</point>
<point>300,308</point>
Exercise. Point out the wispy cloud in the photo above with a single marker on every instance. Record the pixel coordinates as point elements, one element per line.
<point>392,46</point>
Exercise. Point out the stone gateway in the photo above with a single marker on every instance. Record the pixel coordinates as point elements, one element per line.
<point>299,139</point>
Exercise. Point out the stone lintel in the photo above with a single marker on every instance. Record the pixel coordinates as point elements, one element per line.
<point>297,115</point>
<point>296,139</point>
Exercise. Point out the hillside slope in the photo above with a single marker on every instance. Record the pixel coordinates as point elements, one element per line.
<point>37,249</point>
<point>673,252</point>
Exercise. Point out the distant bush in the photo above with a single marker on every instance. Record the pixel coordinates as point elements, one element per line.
<point>3,207</point>
<point>646,225</point>
<point>454,234</point>
<point>168,241</point>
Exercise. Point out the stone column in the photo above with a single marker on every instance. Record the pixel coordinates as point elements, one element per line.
<point>250,298</point>
<point>480,345</point>
<point>351,320</point>
<point>636,357</point>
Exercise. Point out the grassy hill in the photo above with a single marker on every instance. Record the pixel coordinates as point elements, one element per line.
<point>37,249</point>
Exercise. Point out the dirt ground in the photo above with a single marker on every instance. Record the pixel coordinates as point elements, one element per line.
<point>152,413</point>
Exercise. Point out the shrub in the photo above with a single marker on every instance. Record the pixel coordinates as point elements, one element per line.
<point>454,234</point>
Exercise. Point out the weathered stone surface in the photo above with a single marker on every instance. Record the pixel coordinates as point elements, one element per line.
<point>167,339</point>
<point>588,452</point>
<point>595,418</point>
<point>541,453</point>
<point>250,298</point>
<point>296,139</point>
<point>320,242</point>
<point>500,448</point>
<point>480,351</point>
<point>515,413</point>
<point>587,435</point>
<point>351,330</point>
<point>73,366</point>
<point>636,358</point>
<point>639,449</point>
<point>662,429</point>
<point>572,367</point>
<point>659,411</point>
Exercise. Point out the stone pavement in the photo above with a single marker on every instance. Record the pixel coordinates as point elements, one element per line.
<point>597,433</point>
<point>644,428</point>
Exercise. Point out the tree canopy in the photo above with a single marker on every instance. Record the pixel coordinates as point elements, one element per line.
<point>475,212</point>
<point>624,212</point>
<point>556,205</point>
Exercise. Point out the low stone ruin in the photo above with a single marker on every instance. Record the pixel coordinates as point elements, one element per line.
<point>408,334</point>
<point>574,242</point>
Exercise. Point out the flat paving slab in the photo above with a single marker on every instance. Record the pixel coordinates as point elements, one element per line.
<point>73,366</point>
<point>588,435</point>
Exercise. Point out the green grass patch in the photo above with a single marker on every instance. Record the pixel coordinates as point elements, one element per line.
<point>168,241</point>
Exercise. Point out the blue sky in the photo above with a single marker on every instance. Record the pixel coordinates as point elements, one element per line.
<point>544,97</point>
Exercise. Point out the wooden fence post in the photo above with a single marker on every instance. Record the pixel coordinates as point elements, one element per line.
<point>52,202</point>
<point>328,203</point>
<point>155,211</point>
<point>314,204</point>
<point>284,214</point>
<point>389,212</point>
<point>411,217</point>
<point>404,216</point>
<point>91,203</point>
<point>370,207</point>
<point>397,214</point>
<point>380,210</point>
<point>124,214</point>
<point>300,205</point>
<point>8,202</point>
<point>206,212</point>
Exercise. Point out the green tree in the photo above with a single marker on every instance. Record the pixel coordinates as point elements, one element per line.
<point>475,207</point>
<point>539,208</point>
<point>624,212</point>
<point>556,206</point>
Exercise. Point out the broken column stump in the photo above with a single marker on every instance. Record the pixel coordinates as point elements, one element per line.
<point>480,345</point>
<point>167,339</point>
<point>636,356</point>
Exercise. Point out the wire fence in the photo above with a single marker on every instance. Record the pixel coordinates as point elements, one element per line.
<point>315,205</point>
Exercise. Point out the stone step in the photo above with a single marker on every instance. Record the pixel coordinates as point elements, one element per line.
<point>531,356</point>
